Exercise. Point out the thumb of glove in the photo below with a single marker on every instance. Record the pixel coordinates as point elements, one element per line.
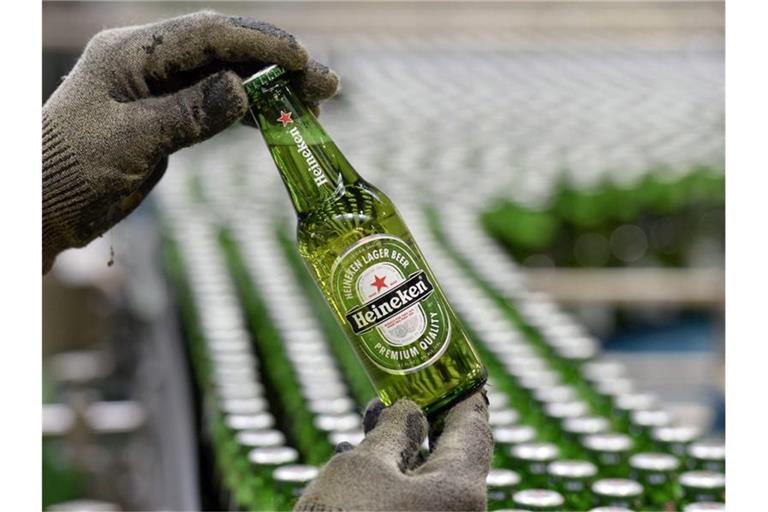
<point>193,114</point>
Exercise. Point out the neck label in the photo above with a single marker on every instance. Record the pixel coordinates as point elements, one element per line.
<point>301,146</point>
<point>390,304</point>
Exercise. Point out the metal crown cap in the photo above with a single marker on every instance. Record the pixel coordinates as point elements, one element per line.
<point>652,461</point>
<point>538,498</point>
<point>254,83</point>
<point>617,487</point>
<point>572,469</point>
<point>502,478</point>
<point>707,449</point>
<point>295,473</point>
<point>702,479</point>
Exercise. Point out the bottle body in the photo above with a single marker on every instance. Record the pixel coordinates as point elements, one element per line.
<point>365,261</point>
<point>387,300</point>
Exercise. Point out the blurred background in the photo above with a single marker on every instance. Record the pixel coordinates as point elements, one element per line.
<point>554,157</point>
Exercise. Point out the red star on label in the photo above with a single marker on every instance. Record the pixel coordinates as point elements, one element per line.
<point>379,283</point>
<point>285,118</point>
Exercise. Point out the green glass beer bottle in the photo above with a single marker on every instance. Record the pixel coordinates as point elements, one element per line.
<point>538,500</point>
<point>618,492</point>
<point>707,455</point>
<point>501,485</point>
<point>702,486</point>
<point>572,479</point>
<point>656,472</point>
<point>290,481</point>
<point>364,260</point>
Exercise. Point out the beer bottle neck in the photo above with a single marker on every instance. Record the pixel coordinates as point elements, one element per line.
<point>312,167</point>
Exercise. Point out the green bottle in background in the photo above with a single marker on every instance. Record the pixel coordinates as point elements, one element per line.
<point>364,259</point>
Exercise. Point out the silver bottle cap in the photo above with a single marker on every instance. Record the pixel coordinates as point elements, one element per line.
<point>536,451</point>
<point>618,487</point>
<point>608,442</point>
<point>502,478</point>
<point>295,473</point>
<point>702,479</point>
<point>538,498</point>
<point>572,469</point>
<point>651,461</point>
<point>273,456</point>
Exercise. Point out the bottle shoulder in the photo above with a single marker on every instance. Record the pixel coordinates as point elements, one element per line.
<point>355,202</point>
<point>358,210</point>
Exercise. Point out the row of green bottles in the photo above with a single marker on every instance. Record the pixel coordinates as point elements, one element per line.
<point>577,485</point>
<point>573,427</point>
<point>657,221</point>
<point>255,464</point>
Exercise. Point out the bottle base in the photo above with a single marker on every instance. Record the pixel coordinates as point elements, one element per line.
<point>435,409</point>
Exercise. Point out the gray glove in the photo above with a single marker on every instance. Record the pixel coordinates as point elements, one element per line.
<point>387,472</point>
<point>138,94</point>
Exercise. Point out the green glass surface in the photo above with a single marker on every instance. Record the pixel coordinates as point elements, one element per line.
<point>336,209</point>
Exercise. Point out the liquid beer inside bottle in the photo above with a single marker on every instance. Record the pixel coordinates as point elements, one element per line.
<point>364,259</point>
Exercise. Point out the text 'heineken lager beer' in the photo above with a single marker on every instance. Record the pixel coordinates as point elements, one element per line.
<point>364,259</point>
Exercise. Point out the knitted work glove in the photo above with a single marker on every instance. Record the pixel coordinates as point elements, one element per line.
<point>387,472</point>
<point>138,94</point>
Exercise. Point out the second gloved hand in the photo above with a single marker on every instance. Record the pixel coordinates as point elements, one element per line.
<point>387,472</point>
<point>138,94</point>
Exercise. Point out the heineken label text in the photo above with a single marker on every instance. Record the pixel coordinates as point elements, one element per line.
<point>405,295</point>
<point>309,158</point>
<point>390,303</point>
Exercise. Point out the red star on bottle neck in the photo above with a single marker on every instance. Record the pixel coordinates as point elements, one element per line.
<point>379,283</point>
<point>285,118</point>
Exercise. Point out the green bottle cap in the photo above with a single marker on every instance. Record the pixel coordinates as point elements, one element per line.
<point>254,84</point>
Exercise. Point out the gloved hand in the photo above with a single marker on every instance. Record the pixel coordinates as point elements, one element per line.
<point>387,472</point>
<point>138,94</point>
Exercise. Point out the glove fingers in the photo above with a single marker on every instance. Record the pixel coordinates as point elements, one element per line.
<point>195,40</point>
<point>397,435</point>
<point>316,82</point>
<point>465,444</point>
<point>192,114</point>
<point>372,413</point>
